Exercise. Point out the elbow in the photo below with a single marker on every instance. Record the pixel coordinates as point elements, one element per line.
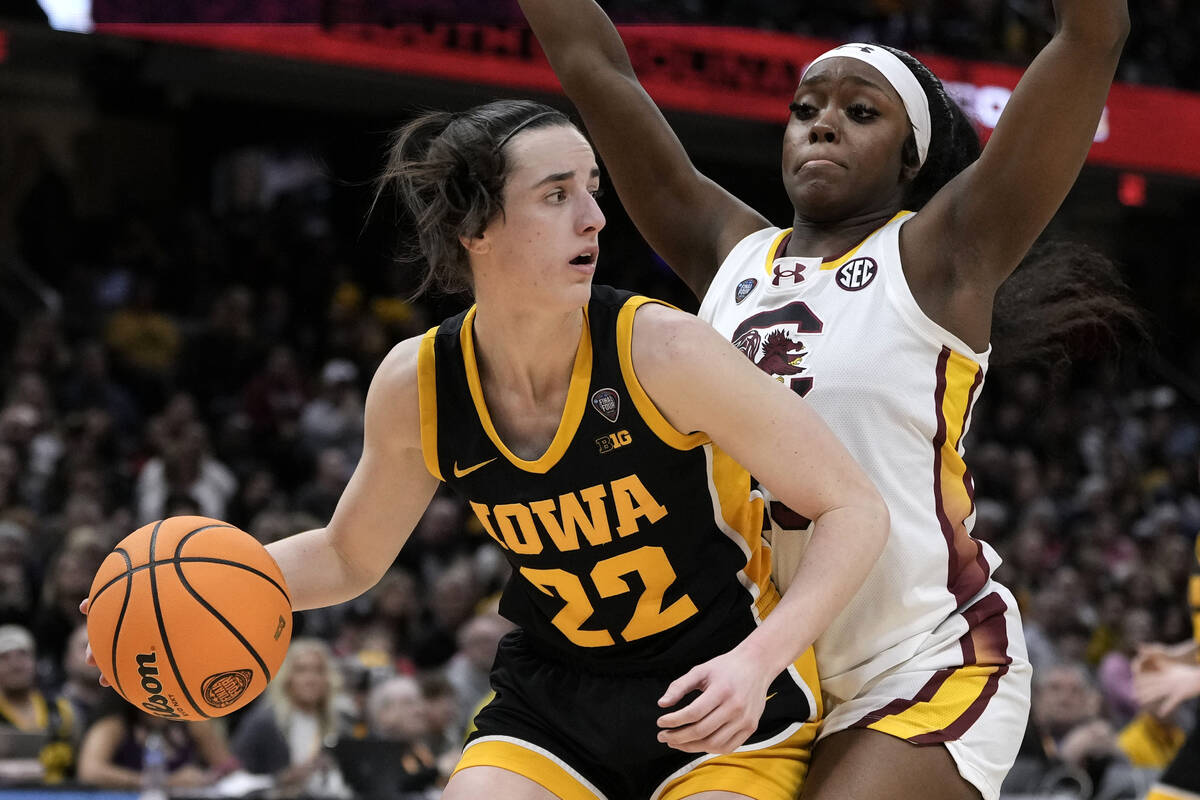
<point>1104,33</point>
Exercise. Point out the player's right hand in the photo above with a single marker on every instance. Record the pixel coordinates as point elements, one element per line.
<point>89,656</point>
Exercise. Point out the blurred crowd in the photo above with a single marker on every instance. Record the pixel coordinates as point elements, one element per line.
<point>212,358</point>
<point>1163,48</point>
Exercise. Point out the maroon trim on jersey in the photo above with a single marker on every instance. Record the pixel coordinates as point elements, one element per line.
<point>963,581</point>
<point>984,644</point>
<point>780,249</point>
<point>901,705</point>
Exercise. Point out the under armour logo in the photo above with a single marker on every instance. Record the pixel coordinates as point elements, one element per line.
<point>794,273</point>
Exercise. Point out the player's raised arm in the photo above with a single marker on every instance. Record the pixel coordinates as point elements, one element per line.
<point>985,220</point>
<point>699,382</point>
<point>690,221</point>
<point>382,503</point>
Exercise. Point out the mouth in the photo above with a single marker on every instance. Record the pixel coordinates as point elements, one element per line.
<point>819,163</point>
<point>586,258</point>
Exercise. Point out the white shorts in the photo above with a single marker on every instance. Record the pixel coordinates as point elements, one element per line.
<point>968,689</point>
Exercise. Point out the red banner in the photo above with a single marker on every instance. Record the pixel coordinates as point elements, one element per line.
<point>721,71</point>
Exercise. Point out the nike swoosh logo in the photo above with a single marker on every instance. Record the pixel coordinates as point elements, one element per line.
<point>459,473</point>
<point>772,694</point>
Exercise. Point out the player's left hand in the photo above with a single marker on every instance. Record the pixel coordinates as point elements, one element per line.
<point>732,692</point>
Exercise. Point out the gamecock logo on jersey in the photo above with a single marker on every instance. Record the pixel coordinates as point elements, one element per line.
<point>857,274</point>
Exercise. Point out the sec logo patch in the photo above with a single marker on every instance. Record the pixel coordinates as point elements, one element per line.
<point>857,274</point>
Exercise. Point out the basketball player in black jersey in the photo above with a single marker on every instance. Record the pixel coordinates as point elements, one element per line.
<point>570,417</point>
<point>599,438</point>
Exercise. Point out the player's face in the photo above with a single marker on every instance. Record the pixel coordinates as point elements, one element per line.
<point>545,245</point>
<point>842,149</point>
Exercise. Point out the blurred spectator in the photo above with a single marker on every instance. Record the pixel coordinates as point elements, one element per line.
<point>24,708</point>
<point>68,582</point>
<point>1069,748</point>
<point>284,734</point>
<point>452,600</point>
<point>80,682</point>
<point>1116,668</point>
<point>397,713</point>
<point>444,733</point>
<point>319,496</point>
<point>334,418</point>
<point>469,668</point>
<point>113,749</point>
<point>186,469</point>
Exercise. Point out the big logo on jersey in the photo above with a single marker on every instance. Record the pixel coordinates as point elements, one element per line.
<point>766,339</point>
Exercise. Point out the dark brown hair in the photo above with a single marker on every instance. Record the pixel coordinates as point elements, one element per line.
<point>448,172</point>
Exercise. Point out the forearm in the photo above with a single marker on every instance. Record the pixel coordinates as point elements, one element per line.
<point>317,574</point>
<point>575,35</point>
<point>844,546</point>
<point>108,776</point>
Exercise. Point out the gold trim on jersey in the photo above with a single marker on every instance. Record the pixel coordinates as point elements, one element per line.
<point>959,378</point>
<point>427,399</point>
<point>744,517</point>
<point>1160,791</point>
<point>520,757</point>
<point>957,695</point>
<point>645,406</point>
<point>774,772</point>
<point>572,413</point>
<point>830,264</point>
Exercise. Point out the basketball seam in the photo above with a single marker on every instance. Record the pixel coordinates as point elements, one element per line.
<point>162,628</point>
<point>197,559</point>
<point>120,617</point>
<point>183,580</point>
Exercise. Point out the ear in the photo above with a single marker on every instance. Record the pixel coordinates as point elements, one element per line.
<point>477,245</point>
<point>910,160</point>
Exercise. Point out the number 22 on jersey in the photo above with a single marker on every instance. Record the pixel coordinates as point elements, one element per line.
<point>608,577</point>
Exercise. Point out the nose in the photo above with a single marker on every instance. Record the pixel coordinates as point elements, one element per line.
<point>591,220</point>
<point>823,130</point>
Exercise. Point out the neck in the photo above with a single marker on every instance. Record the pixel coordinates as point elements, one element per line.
<point>532,353</point>
<point>811,238</point>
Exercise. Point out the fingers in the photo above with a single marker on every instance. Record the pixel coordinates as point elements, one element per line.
<point>83,606</point>
<point>697,709</point>
<point>689,681</point>
<point>724,739</point>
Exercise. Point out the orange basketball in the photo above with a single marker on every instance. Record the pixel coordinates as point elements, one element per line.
<point>189,618</point>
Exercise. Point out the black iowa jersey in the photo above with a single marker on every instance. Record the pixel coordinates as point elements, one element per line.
<point>634,547</point>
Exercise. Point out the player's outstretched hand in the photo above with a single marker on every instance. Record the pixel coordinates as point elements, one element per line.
<point>729,695</point>
<point>88,656</point>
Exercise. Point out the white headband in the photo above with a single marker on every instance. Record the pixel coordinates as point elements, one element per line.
<point>899,76</point>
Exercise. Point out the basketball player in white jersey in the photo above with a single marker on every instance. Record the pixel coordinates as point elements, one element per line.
<point>881,318</point>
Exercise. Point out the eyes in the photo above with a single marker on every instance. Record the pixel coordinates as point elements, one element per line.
<point>859,112</point>
<point>559,194</point>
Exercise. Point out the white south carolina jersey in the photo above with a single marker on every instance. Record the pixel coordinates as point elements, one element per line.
<point>897,389</point>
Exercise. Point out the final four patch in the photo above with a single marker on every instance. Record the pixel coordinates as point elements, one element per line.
<point>607,403</point>
<point>743,289</point>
